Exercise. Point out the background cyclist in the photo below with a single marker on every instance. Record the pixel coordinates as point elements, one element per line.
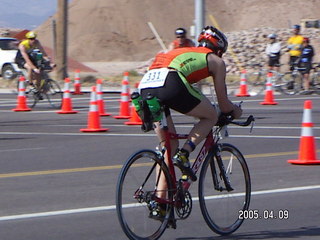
<point>181,40</point>
<point>24,59</point>
<point>181,68</point>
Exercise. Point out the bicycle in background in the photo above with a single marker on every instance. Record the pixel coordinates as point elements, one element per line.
<point>315,78</point>
<point>292,82</point>
<point>257,78</point>
<point>224,186</point>
<point>48,88</point>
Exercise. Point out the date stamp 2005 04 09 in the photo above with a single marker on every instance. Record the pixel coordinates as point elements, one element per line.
<point>253,214</point>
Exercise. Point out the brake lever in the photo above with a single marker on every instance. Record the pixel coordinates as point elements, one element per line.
<point>252,124</point>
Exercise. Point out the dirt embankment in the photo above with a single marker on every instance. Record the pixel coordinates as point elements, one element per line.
<point>108,30</point>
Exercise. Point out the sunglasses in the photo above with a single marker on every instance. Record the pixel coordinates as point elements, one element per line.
<point>181,37</point>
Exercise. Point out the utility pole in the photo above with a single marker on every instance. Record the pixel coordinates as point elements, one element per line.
<point>61,37</point>
<point>199,17</point>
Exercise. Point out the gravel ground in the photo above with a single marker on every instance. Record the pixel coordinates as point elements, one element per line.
<point>113,68</point>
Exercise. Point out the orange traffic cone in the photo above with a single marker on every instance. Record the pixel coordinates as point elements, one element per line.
<point>100,99</point>
<point>77,84</point>
<point>21,100</point>
<point>268,99</point>
<point>135,119</point>
<point>93,116</point>
<point>307,154</point>
<point>243,85</point>
<point>124,112</point>
<point>66,101</point>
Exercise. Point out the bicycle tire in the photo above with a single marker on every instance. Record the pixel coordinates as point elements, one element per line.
<point>220,208</point>
<point>290,84</point>
<point>315,82</point>
<point>53,93</point>
<point>135,192</point>
<point>256,82</point>
<point>31,97</point>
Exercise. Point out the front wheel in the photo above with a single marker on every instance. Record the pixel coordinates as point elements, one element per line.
<point>220,206</point>
<point>315,82</point>
<point>53,93</point>
<point>290,84</point>
<point>143,184</point>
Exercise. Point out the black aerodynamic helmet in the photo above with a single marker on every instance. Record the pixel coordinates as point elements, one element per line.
<point>180,32</point>
<point>211,37</point>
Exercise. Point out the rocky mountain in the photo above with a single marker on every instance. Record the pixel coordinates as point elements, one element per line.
<point>108,30</point>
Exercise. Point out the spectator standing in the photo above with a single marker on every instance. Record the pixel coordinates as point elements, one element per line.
<point>295,46</point>
<point>273,51</point>
<point>305,61</point>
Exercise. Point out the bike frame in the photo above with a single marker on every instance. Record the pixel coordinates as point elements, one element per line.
<point>206,147</point>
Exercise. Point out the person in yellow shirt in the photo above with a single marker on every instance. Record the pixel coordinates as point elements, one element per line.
<point>24,56</point>
<point>294,46</point>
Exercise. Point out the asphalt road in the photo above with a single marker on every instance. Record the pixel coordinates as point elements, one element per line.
<point>57,183</point>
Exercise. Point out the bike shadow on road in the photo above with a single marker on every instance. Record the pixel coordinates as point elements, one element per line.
<point>301,233</point>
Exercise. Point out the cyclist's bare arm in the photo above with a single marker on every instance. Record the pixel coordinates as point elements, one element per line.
<point>218,71</point>
<point>26,56</point>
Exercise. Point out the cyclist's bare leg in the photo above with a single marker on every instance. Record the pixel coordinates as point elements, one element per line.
<point>34,78</point>
<point>162,186</point>
<point>208,116</point>
<point>37,79</point>
<point>29,73</point>
<point>306,83</point>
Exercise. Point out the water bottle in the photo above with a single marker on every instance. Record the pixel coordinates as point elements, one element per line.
<point>154,107</point>
<point>136,98</point>
<point>39,56</point>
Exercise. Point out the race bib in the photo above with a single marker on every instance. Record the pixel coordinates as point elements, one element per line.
<point>154,78</point>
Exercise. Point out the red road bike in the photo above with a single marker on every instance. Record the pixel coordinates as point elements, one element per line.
<point>224,186</point>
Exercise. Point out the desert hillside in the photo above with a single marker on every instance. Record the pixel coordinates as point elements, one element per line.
<point>108,30</point>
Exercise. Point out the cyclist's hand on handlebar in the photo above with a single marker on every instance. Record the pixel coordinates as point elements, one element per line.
<point>237,111</point>
<point>36,70</point>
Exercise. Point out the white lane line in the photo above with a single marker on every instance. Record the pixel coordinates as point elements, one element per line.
<point>113,207</point>
<point>138,135</point>
<point>22,149</point>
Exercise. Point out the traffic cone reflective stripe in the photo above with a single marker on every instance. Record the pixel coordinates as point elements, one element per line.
<point>124,112</point>
<point>100,101</point>
<point>269,99</point>
<point>307,147</point>
<point>243,85</point>
<point>21,99</point>
<point>66,101</point>
<point>77,84</point>
<point>93,115</point>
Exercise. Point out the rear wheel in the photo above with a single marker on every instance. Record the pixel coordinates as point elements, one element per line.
<point>221,207</point>
<point>256,82</point>
<point>291,83</point>
<point>137,196</point>
<point>31,97</point>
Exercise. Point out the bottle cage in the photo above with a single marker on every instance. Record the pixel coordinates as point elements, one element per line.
<point>146,116</point>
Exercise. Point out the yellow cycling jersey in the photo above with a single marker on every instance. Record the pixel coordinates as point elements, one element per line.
<point>294,44</point>
<point>26,44</point>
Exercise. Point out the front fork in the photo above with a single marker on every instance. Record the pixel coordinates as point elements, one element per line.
<point>222,175</point>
